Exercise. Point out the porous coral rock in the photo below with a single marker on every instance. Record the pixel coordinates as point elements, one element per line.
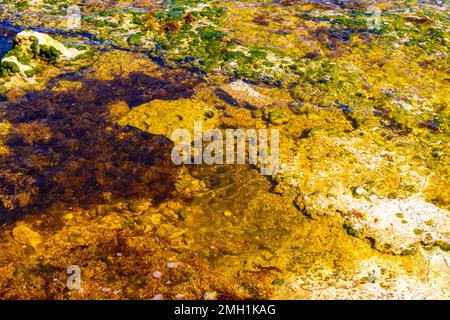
<point>401,225</point>
<point>376,278</point>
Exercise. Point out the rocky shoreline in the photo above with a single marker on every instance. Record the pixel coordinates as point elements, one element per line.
<point>358,209</point>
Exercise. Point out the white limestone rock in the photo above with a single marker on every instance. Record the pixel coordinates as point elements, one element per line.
<point>399,226</point>
<point>44,39</point>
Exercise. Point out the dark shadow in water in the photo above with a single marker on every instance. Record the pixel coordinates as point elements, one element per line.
<point>7,32</point>
<point>65,151</point>
<point>5,45</point>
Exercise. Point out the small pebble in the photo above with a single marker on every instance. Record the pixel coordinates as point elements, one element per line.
<point>157,274</point>
<point>208,295</point>
<point>359,190</point>
<point>106,289</point>
<point>119,254</point>
<point>228,213</point>
<point>172,265</point>
<point>179,296</point>
<point>68,216</point>
<point>158,296</point>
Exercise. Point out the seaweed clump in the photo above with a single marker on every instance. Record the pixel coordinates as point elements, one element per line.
<point>65,150</point>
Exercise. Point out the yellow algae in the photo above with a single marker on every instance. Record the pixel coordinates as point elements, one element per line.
<point>163,117</point>
<point>64,86</point>
<point>120,63</point>
<point>5,128</point>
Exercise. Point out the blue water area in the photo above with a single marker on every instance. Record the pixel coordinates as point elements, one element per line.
<point>7,31</point>
<point>5,45</point>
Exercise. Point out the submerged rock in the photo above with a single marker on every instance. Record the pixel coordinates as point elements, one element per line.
<point>241,93</point>
<point>24,235</point>
<point>163,117</point>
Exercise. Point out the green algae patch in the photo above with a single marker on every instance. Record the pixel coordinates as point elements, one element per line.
<point>8,68</point>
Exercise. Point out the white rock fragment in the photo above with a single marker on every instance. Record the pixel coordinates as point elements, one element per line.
<point>403,104</point>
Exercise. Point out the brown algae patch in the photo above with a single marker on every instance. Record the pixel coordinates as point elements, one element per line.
<point>66,138</point>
